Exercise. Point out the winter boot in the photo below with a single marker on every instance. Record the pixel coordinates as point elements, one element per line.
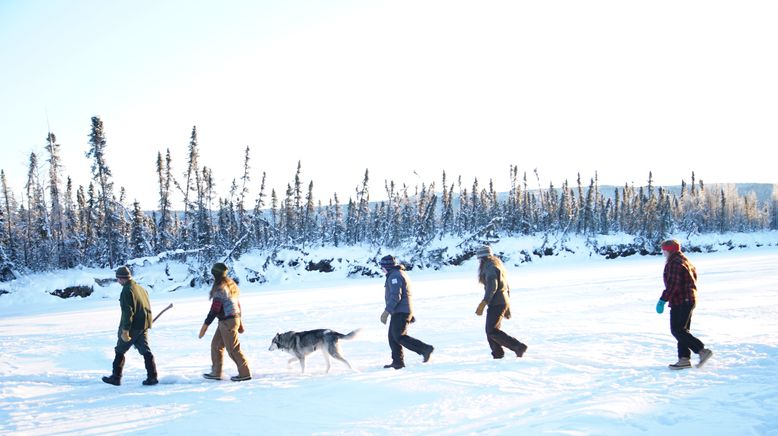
<point>395,365</point>
<point>520,350</point>
<point>426,354</point>
<point>683,363</point>
<point>211,376</point>
<point>151,369</point>
<point>705,354</point>
<point>116,377</point>
<point>240,377</point>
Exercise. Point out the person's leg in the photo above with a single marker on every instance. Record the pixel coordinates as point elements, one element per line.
<point>498,338</point>
<point>217,353</point>
<point>141,342</point>
<point>410,342</point>
<point>680,322</point>
<point>118,361</point>
<point>229,333</point>
<point>397,326</point>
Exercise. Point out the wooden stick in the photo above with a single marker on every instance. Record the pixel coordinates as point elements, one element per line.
<point>160,313</point>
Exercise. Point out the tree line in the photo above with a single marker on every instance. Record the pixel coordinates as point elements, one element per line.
<point>57,225</point>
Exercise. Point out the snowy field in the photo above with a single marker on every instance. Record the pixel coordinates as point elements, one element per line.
<point>596,364</point>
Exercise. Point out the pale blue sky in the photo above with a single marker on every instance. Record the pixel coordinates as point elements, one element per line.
<point>398,87</point>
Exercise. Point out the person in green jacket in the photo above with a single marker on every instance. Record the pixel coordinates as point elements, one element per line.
<point>133,328</point>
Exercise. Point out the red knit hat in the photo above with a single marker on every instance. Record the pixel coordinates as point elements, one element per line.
<point>671,245</point>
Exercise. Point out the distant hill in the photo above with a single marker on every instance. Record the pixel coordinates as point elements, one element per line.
<point>764,191</point>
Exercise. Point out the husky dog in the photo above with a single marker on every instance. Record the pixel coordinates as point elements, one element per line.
<point>301,344</point>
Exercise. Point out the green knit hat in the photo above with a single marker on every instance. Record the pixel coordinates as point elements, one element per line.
<point>123,272</point>
<point>219,270</point>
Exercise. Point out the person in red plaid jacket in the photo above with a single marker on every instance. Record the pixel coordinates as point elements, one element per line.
<point>680,279</point>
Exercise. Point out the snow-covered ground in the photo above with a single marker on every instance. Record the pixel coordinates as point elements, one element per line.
<point>596,364</point>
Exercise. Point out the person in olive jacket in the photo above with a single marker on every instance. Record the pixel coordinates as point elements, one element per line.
<point>133,328</point>
<point>397,297</point>
<point>491,274</point>
<point>680,278</point>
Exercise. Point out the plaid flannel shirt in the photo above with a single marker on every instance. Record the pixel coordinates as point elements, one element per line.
<point>680,278</point>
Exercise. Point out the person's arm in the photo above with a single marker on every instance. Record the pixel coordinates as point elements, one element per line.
<point>127,304</point>
<point>216,307</point>
<point>490,286</point>
<point>673,278</point>
<point>393,292</point>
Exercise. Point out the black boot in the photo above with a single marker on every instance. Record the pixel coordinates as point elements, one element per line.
<point>116,377</point>
<point>151,369</point>
<point>426,354</point>
<point>395,365</point>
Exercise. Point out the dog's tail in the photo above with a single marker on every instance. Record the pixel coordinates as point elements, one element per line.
<point>351,335</point>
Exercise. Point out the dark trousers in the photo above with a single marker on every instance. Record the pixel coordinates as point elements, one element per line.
<point>496,337</point>
<point>398,326</point>
<point>680,322</point>
<point>138,338</point>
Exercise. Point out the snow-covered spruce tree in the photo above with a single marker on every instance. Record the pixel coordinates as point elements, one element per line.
<point>337,224</point>
<point>426,228</point>
<point>297,222</point>
<point>73,235</point>
<point>164,236</point>
<point>38,244</point>
<point>243,219</point>
<point>565,208</point>
<point>140,245</point>
<point>88,221</point>
<point>447,208</point>
<point>774,211</point>
<point>9,206</point>
<point>275,220</point>
<point>588,216</point>
<point>260,224</point>
<point>550,223</point>
<point>309,225</point>
<point>110,246</point>
<point>192,191</point>
<point>4,260</point>
<point>288,217</point>
<point>56,214</point>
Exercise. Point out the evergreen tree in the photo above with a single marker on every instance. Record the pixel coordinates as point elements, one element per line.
<point>260,224</point>
<point>164,236</point>
<point>11,238</point>
<point>192,191</point>
<point>139,239</point>
<point>309,217</point>
<point>37,232</point>
<point>337,225</point>
<point>73,232</point>
<point>56,215</point>
<point>243,220</point>
<point>362,211</point>
<point>109,246</point>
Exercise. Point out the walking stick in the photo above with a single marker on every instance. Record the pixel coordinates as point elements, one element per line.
<point>160,313</point>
